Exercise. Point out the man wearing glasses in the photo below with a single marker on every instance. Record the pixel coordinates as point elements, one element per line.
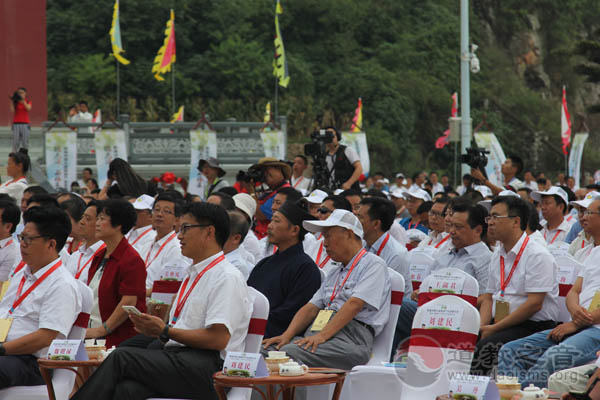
<point>521,295</point>
<point>164,251</point>
<point>42,301</point>
<point>439,240</point>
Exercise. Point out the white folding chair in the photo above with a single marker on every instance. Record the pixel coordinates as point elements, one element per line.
<point>446,280</point>
<point>382,345</point>
<point>391,383</point>
<point>568,269</point>
<point>256,331</point>
<point>420,261</point>
<point>63,379</point>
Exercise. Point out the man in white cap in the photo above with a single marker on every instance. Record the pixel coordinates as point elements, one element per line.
<point>314,199</point>
<point>580,247</point>
<point>213,172</point>
<point>554,208</point>
<point>247,205</point>
<point>414,198</point>
<point>142,234</point>
<point>337,327</point>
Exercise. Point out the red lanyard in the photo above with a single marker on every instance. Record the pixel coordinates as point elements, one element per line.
<point>80,269</point>
<point>298,181</point>
<point>15,181</point>
<point>8,243</point>
<point>159,250</point>
<point>356,260</point>
<point>503,283</point>
<point>410,224</point>
<point>275,248</point>
<point>180,301</point>
<point>321,265</point>
<point>387,237</point>
<point>71,250</point>
<point>442,241</point>
<point>19,299</point>
<point>554,238</point>
<point>320,236</point>
<point>141,236</point>
<point>583,243</point>
<point>19,267</point>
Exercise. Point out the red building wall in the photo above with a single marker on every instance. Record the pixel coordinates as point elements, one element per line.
<point>23,56</point>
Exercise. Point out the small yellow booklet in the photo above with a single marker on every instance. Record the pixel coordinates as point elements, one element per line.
<point>595,304</point>
<point>5,324</point>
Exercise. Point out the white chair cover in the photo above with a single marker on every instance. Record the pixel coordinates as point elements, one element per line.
<point>445,278</point>
<point>568,269</point>
<point>420,261</point>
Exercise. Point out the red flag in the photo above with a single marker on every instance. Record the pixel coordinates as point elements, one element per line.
<point>445,138</point>
<point>565,123</point>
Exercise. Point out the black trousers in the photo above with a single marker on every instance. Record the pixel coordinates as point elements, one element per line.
<point>486,350</point>
<point>131,373</point>
<point>19,370</point>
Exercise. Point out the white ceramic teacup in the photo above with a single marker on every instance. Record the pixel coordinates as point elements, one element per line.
<point>292,368</point>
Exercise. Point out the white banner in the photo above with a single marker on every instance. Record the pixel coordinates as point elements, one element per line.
<point>203,145</point>
<point>109,144</point>
<point>274,144</point>
<point>496,158</point>
<point>61,158</point>
<point>358,141</point>
<point>575,156</point>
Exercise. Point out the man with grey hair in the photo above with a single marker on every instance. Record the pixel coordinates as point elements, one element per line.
<point>238,229</point>
<point>350,308</point>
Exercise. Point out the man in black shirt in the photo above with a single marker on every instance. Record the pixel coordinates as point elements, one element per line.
<point>288,278</point>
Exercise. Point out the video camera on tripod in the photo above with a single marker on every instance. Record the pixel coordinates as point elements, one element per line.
<point>476,158</point>
<point>318,151</point>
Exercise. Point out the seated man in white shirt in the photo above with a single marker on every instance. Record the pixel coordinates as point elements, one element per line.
<point>439,240</point>
<point>245,204</point>
<point>43,300</point>
<point>208,320</point>
<point>10,216</point>
<point>298,180</point>
<point>17,167</point>
<point>238,229</point>
<point>554,209</point>
<point>352,304</point>
<point>164,251</point>
<point>142,233</point>
<point>80,261</point>
<point>521,295</point>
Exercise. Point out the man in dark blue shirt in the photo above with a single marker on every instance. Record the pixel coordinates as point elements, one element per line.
<point>288,278</point>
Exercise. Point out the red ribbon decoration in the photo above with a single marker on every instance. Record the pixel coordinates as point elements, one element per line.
<point>442,338</point>
<point>425,297</point>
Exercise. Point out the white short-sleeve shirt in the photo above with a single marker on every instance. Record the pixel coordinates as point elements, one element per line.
<point>81,260</point>
<point>535,273</point>
<point>156,259</point>
<point>560,233</point>
<point>54,304</point>
<point>591,279</point>
<point>9,254</point>
<point>220,297</point>
<point>395,256</point>
<point>141,238</point>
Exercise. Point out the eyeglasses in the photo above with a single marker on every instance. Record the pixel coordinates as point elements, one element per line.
<point>590,212</point>
<point>495,217</point>
<point>435,214</point>
<point>324,210</point>
<point>28,239</point>
<point>165,211</point>
<point>184,228</point>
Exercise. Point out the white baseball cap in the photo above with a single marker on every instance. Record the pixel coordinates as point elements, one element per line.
<point>246,203</point>
<point>417,193</point>
<point>338,217</point>
<point>316,196</point>
<point>587,200</point>
<point>488,203</point>
<point>338,191</point>
<point>415,235</point>
<point>484,190</point>
<point>398,193</point>
<point>554,190</point>
<point>144,202</point>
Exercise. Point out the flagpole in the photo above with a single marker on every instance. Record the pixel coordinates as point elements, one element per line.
<point>173,87</point>
<point>276,100</point>
<point>118,90</point>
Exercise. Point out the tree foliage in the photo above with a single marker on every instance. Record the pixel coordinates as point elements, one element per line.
<point>401,57</point>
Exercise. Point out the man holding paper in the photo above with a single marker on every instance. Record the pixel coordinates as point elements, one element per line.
<point>350,308</point>
<point>42,301</point>
<point>210,317</point>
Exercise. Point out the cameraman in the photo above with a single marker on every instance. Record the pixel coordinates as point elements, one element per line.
<point>275,175</point>
<point>20,106</point>
<point>343,164</point>
<point>510,169</point>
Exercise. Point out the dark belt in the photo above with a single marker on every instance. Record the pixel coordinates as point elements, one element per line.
<point>369,327</point>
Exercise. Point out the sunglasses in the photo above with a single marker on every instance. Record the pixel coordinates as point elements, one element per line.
<point>324,210</point>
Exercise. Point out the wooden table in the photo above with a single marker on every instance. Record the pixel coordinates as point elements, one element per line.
<point>82,370</point>
<point>288,383</point>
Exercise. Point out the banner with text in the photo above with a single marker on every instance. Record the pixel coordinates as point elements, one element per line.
<point>109,144</point>
<point>358,141</point>
<point>496,158</point>
<point>274,144</point>
<point>61,158</point>
<point>575,157</point>
<point>203,145</point>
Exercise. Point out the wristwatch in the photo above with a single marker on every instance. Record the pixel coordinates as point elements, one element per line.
<point>2,349</point>
<point>164,335</point>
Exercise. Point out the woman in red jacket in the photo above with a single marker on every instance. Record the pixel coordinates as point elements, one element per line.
<point>20,105</point>
<point>117,275</point>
